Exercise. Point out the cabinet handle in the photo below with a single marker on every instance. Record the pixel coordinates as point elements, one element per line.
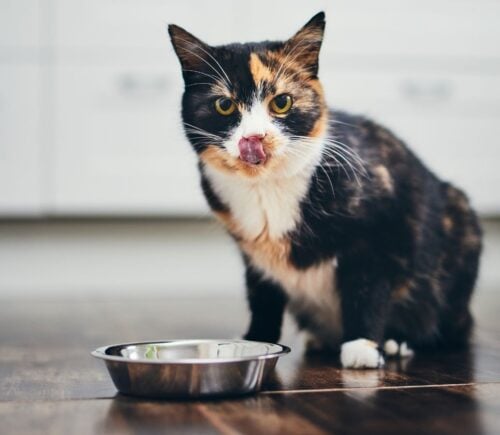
<point>432,91</point>
<point>141,84</point>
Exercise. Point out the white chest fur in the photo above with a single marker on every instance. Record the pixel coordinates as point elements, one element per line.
<point>271,205</point>
<point>263,213</point>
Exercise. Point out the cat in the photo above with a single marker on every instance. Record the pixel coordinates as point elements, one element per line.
<point>336,219</point>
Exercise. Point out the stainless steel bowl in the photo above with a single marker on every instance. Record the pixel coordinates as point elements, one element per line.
<point>190,368</point>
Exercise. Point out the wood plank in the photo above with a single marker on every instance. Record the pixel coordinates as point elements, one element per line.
<point>102,416</point>
<point>468,409</point>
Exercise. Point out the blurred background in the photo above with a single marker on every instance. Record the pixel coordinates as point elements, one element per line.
<point>99,189</point>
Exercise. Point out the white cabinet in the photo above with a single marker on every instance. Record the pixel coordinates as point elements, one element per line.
<point>103,25</point>
<point>21,158</point>
<point>377,29</point>
<point>119,147</point>
<point>450,119</point>
<point>90,92</point>
<point>20,24</point>
<point>20,151</point>
<point>459,148</point>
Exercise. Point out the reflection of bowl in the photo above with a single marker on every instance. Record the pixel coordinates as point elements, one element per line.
<point>190,368</point>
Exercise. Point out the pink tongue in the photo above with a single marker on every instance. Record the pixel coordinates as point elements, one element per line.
<point>251,150</point>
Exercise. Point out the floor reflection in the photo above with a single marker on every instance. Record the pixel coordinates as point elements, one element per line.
<point>313,371</point>
<point>127,415</point>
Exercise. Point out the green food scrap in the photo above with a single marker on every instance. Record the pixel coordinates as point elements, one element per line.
<point>151,352</point>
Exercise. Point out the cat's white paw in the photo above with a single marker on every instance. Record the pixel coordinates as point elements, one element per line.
<point>393,348</point>
<point>360,353</point>
<point>405,351</point>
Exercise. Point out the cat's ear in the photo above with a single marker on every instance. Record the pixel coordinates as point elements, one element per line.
<point>304,46</point>
<point>191,51</point>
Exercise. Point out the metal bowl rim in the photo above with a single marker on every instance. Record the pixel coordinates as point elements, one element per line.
<point>100,353</point>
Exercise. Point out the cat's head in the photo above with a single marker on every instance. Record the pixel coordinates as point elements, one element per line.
<point>257,109</point>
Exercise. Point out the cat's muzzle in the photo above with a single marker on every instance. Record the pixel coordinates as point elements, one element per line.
<point>252,149</point>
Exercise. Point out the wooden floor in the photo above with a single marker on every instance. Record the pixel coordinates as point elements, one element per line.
<point>49,383</point>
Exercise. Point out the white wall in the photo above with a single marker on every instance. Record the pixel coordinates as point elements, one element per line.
<point>127,259</point>
<point>89,93</point>
<point>140,259</point>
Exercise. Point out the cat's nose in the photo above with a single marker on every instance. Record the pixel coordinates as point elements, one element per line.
<point>252,149</point>
<point>254,136</point>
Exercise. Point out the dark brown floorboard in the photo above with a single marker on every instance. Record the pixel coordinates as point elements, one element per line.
<point>468,409</point>
<point>50,384</point>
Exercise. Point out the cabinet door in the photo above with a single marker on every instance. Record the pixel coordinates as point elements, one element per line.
<point>119,146</point>
<point>139,24</point>
<point>437,30</point>
<point>20,23</point>
<point>448,119</point>
<point>20,152</point>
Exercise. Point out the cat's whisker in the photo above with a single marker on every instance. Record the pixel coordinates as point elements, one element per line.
<point>338,155</point>
<point>352,155</point>
<point>351,167</point>
<point>194,129</point>
<point>328,179</point>
<point>360,164</point>
<point>319,165</point>
<point>336,152</point>
<point>288,60</point>
<point>284,63</point>
<point>217,80</point>
<point>303,153</point>
<point>198,84</point>
<point>310,141</point>
<point>201,131</point>
<point>292,76</point>
<point>201,138</point>
<point>339,163</point>
<point>335,121</point>
<point>228,84</point>
<point>191,43</point>
<point>342,149</point>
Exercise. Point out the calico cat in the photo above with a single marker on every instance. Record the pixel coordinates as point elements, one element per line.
<point>336,219</point>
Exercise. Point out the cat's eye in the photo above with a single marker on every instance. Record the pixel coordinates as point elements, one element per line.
<point>225,106</point>
<point>281,104</point>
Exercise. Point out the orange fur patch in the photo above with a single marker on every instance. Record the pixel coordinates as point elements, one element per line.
<point>303,47</point>
<point>259,71</point>
<point>320,125</point>
<point>447,224</point>
<point>290,69</point>
<point>402,292</point>
<point>384,178</point>
<point>289,75</point>
<point>264,251</point>
<point>272,255</point>
<point>268,253</point>
<point>472,241</point>
<point>223,161</point>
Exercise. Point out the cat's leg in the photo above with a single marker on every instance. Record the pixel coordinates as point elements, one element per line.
<point>314,344</point>
<point>365,297</point>
<point>267,302</point>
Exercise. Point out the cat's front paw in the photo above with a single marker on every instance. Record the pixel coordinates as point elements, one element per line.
<point>360,354</point>
<point>394,349</point>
